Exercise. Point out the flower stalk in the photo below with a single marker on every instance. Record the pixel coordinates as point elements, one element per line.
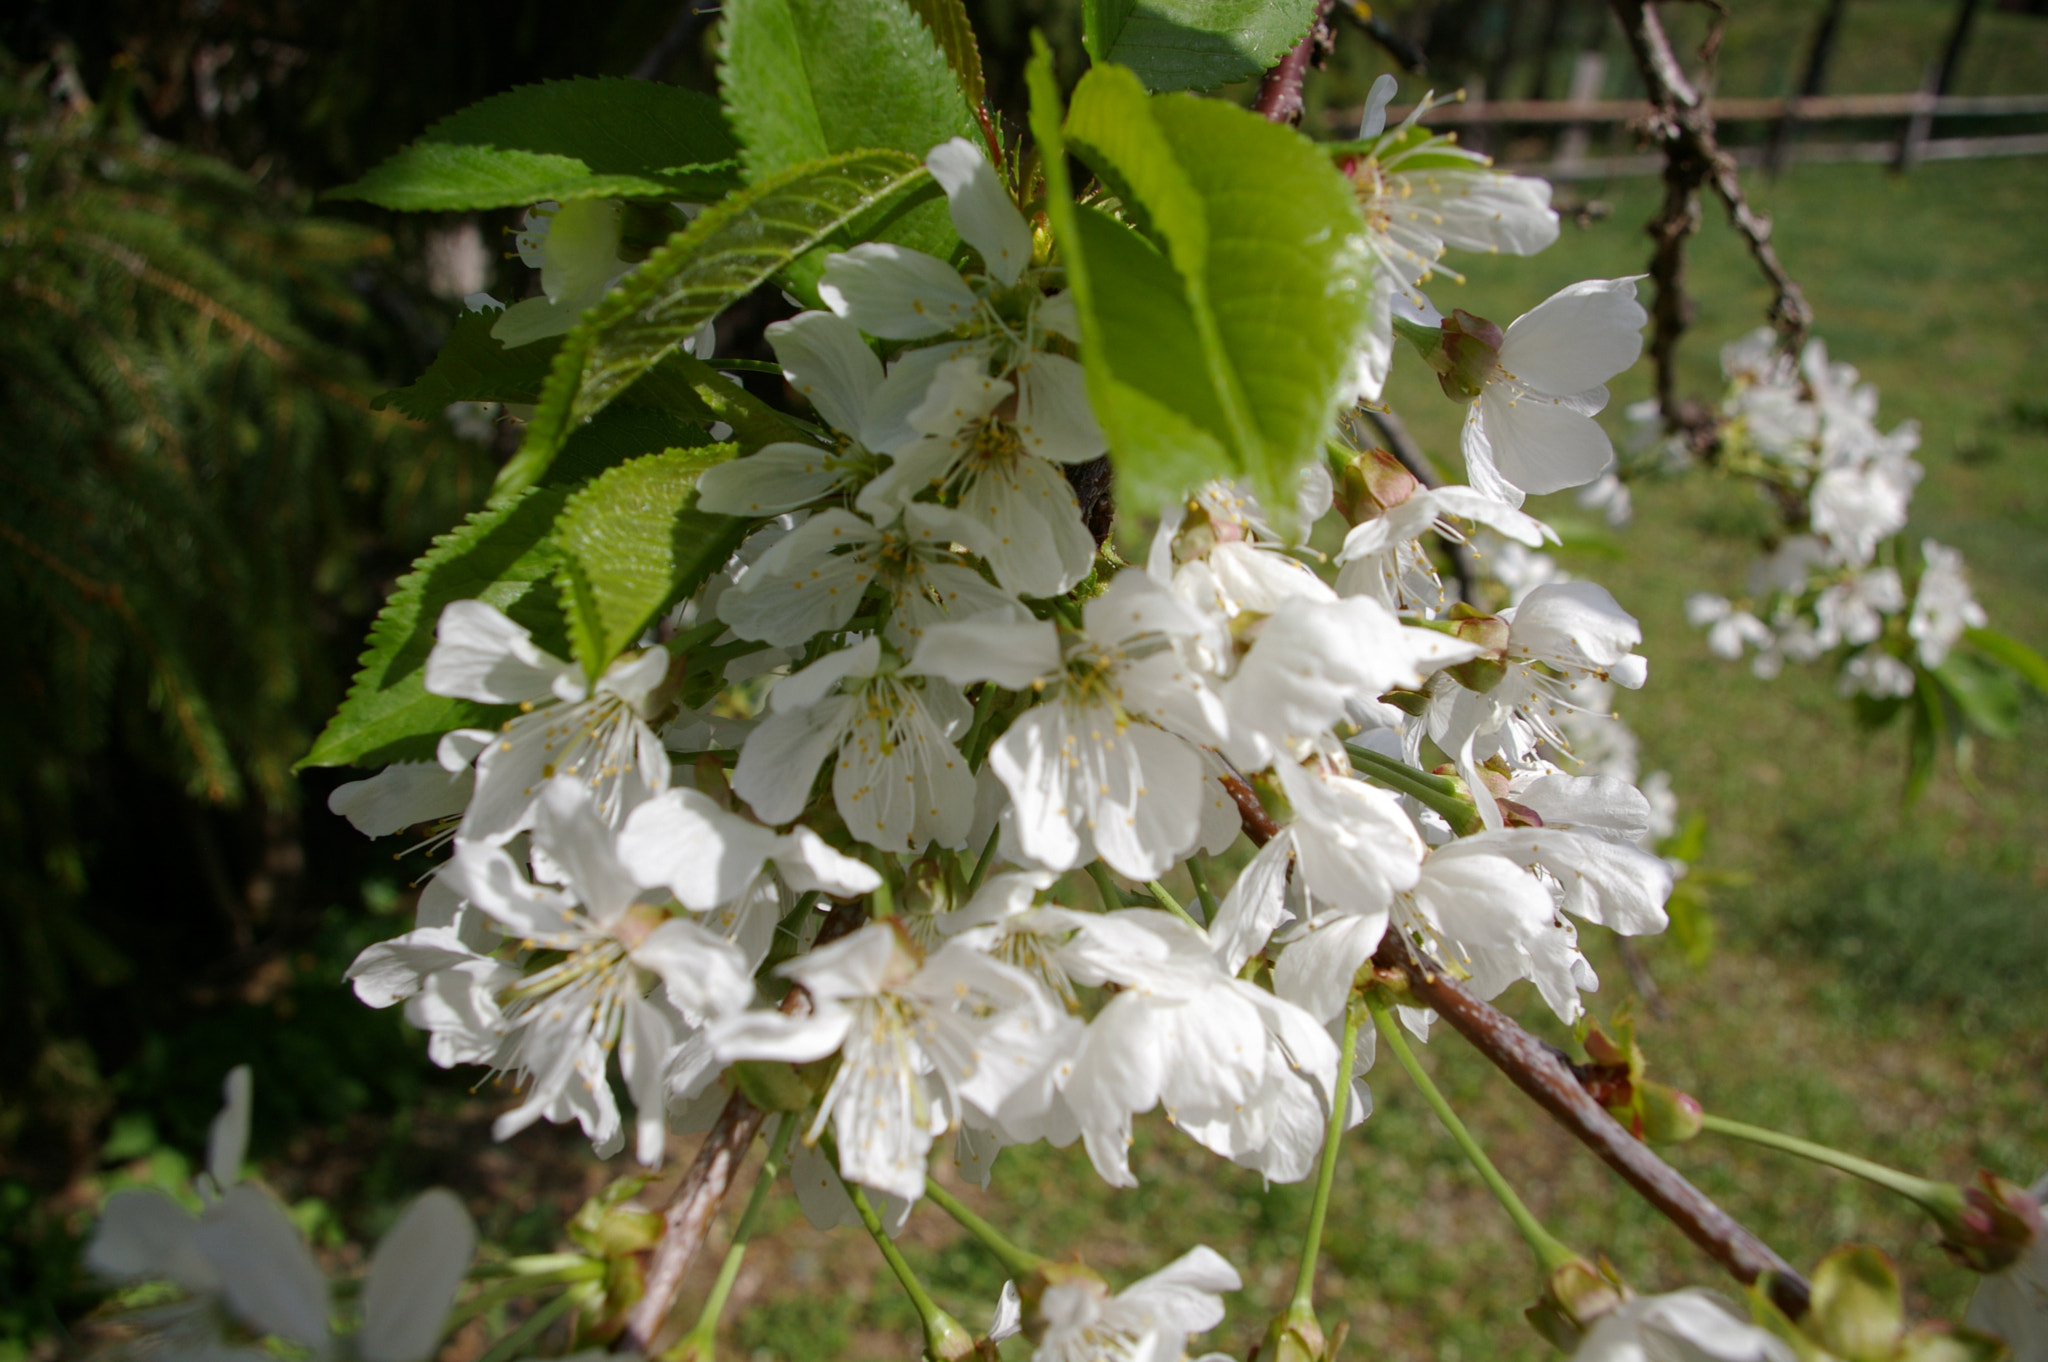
<point>1439,794</point>
<point>945,1338</point>
<point>703,1335</point>
<point>1018,1262</point>
<point>1551,1255</point>
<point>1939,1199</point>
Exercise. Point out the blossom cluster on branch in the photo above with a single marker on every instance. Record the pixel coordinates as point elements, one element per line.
<point>830,761</point>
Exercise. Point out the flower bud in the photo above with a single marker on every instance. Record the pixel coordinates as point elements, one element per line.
<point>610,1224</point>
<point>1576,1296</point>
<point>1470,356</point>
<point>1370,484</point>
<point>1482,673</point>
<point>1858,1312</point>
<point>1998,1221</point>
<point>1664,1115</point>
<point>1293,1336</point>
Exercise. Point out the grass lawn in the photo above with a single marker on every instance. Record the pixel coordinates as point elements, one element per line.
<point>1881,980</point>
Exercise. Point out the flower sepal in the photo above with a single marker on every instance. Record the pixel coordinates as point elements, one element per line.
<point>1295,1335</point>
<point>1576,1296</point>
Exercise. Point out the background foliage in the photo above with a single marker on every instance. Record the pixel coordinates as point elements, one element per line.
<point>203,510</point>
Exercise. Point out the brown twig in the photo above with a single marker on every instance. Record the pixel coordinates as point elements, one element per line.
<point>687,1218</point>
<point>1682,125</point>
<point>1280,90</point>
<point>1258,824</point>
<point>1546,1076</point>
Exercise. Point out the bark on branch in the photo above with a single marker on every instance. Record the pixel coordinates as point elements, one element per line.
<point>1545,1075</point>
<point>1682,125</point>
<point>1280,91</point>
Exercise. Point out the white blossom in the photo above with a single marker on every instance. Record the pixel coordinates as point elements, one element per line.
<point>632,975</point>
<point>814,578</point>
<point>1148,1321</point>
<point>898,780</point>
<point>921,1041</point>
<point>1104,764</point>
<point>825,359</point>
<point>1943,607</point>
<point>973,459</point>
<point>243,1252</point>
<point>1383,558</point>
<point>1684,1326</point>
<point>597,734</point>
<point>1422,195</point>
<point>1530,429</point>
<point>1246,1074</point>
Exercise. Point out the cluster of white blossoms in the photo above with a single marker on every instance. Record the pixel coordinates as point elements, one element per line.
<point>913,692</point>
<point>1843,582</point>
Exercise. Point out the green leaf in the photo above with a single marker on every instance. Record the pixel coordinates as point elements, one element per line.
<point>624,432</point>
<point>632,543</point>
<point>2030,665</point>
<point>947,19</point>
<point>731,248</point>
<point>503,556</point>
<point>1193,44</point>
<point>562,140</point>
<point>473,367</point>
<point>1988,695</point>
<point>1925,738</point>
<point>806,79</point>
<point>1225,354</point>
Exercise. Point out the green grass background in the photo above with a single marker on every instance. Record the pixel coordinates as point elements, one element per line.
<point>1880,981</point>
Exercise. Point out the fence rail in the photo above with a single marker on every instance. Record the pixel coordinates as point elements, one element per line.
<point>1812,108</point>
<point>1572,158</point>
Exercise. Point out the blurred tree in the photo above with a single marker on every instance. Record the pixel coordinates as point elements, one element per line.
<point>201,507</point>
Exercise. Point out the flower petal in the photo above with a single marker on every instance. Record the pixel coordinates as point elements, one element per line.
<point>896,293</point>
<point>1577,338</point>
<point>418,1266</point>
<point>982,211</point>
<point>825,359</point>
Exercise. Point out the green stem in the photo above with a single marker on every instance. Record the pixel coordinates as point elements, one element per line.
<point>975,748</point>
<point>1202,890</point>
<point>1937,1198</point>
<point>1326,1174</point>
<point>1438,793</point>
<point>987,861</point>
<point>698,1342</point>
<point>882,903</point>
<point>533,1326</point>
<point>1170,903</point>
<point>584,1270</point>
<point>1113,897</point>
<point>1550,1254</point>
<point>1018,1262</point>
<point>944,1336</point>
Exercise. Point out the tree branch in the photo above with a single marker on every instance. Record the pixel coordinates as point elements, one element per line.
<point>687,1218</point>
<point>1681,123</point>
<point>1546,1076</point>
<point>1280,91</point>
